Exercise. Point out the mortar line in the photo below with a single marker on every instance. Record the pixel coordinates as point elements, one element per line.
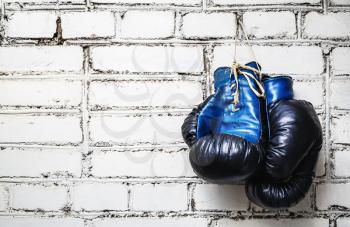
<point>202,213</point>
<point>327,119</point>
<point>130,180</point>
<point>208,55</point>
<point>325,6</point>
<point>2,5</point>
<point>299,25</point>
<point>204,5</point>
<point>84,109</point>
<point>193,8</point>
<point>19,42</point>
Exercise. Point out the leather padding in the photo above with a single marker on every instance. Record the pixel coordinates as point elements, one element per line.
<point>291,155</point>
<point>225,158</point>
<point>220,158</point>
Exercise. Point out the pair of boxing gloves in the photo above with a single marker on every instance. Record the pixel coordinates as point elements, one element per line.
<point>252,130</point>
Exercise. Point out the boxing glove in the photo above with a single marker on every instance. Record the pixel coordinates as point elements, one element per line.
<point>295,139</point>
<point>224,133</point>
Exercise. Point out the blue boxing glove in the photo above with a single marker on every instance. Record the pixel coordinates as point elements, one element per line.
<point>229,132</point>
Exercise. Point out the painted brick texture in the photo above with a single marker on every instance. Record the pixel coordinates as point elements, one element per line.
<point>93,95</point>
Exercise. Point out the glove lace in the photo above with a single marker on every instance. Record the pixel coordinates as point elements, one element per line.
<point>235,71</point>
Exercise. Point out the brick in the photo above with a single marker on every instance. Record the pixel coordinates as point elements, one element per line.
<point>330,25</point>
<point>340,94</point>
<point>209,25</point>
<point>141,164</point>
<point>343,222</point>
<point>152,222</point>
<point>31,25</point>
<point>321,163</point>
<point>148,58</point>
<point>38,162</point>
<point>304,204</point>
<point>148,24</point>
<point>332,194</point>
<point>117,129</point>
<point>315,222</point>
<point>99,197</point>
<point>44,2</point>
<point>40,93</point>
<point>4,197</point>
<point>155,197</point>
<point>40,222</point>
<point>49,58</point>
<point>33,197</point>
<point>340,129</point>
<point>96,25</point>
<point>39,129</point>
<point>311,91</point>
<point>181,94</point>
<point>339,2</point>
<point>339,60</point>
<point>264,2</point>
<point>270,24</point>
<point>341,163</point>
<point>220,197</point>
<point>276,59</point>
<point>153,2</point>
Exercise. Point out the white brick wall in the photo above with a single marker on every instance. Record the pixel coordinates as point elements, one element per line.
<point>341,163</point>
<point>53,58</point>
<point>204,25</point>
<point>31,25</point>
<point>264,2</point>
<point>340,2</point>
<point>343,222</point>
<point>39,129</point>
<point>43,1</point>
<point>317,222</point>
<point>147,59</point>
<point>96,25</point>
<point>38,93</point>
<point>153,2</point>
<point>146,24</point>
<point>331,25</point>
<point>93,95</point>
<point>37,162</point>
<point>140,164</point>
<point>3,198</point>
<point>160,197</point>
<point>339,94</point>
<point>279,60</point>
<point>40,222</point>
<point>43,197</point>
<point>152,222</point>
<point>339,60</point>
<point>270,24</point>
<point>328,195</point>
<point>126,129</point>
<point>341,129</point>
<point>311,91</point>
<point>95,196</point>
<point>143,93</point>
<point>220,197</point>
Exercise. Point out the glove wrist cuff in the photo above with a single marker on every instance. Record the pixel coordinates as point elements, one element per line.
<point>278,88</point>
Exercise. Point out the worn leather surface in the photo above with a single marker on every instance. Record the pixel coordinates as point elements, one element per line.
<point>219,117</point>
<point>225,146</point>
<point>292,151</point>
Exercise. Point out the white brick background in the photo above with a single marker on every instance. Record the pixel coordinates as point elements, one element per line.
<point>93,94</point>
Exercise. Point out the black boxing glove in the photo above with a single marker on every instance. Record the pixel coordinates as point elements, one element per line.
<point>295,139</point>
